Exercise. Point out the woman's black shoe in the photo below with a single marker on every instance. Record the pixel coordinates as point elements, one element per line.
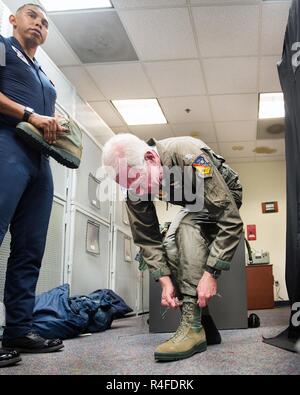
<point>33,343</point>
<point>9,357</point>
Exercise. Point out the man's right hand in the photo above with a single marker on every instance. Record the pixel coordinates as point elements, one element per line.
<point>168,298</point>
<point>48,125</point>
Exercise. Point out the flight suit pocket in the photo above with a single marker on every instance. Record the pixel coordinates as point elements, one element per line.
<point>215,195</point>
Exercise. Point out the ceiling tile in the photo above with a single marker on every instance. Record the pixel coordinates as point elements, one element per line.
<point>278,145</point>
<point>214,147</point>
<point>230,150</point>
<point>234,107</point>
<point>231,75</point>
<point>107,113</point>
<point>274,21</point>
<point>100,35</point>
<point>121,81</point>
<point>160,34</point>
<point>175,109</point>
<point>158,132</point>
<point>58,49</point>
<point>204,131</point>
<point>147,3</point>
<point>268,77</point>
<point>102,139</point>
<point>120,129</point>
<point>91,120</point>
<point>224,2</point>
<point>83,83</point>
<point>236,131</point>
<point>228,30</point>
<point>176,78</point>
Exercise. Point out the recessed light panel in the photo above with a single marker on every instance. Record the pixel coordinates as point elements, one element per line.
<point>140,112</point>
<point>271,105</point>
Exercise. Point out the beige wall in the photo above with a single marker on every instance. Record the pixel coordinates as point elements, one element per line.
<point>262,182</point>
<point>265,182</point>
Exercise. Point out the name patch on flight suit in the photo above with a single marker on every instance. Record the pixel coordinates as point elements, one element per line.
<point>203,167</point>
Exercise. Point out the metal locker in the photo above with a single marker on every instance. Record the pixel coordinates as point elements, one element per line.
<point>51,274</point>
<point>141,280</point>
<point>126,274</point>
<point>90,254</point>
<point>143,296</point>
<point>59,174</point>
<point>87,184</point>
<point>120,212</point>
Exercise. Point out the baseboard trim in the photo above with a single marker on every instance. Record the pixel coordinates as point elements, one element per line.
<point>282,303</point>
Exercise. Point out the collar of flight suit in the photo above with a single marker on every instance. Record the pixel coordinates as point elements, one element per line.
<point>164,155</point>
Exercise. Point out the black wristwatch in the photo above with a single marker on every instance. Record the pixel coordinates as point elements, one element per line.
<point>27,112</point>
<point>214,272</point>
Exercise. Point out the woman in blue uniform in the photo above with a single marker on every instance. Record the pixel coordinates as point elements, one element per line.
<point>26,186</point>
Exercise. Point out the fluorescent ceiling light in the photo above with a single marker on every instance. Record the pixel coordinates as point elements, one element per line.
<point>271,105</point>
<point>140,112</point>
<point>66,5</point>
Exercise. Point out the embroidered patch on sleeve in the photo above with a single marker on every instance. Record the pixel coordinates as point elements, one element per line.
<point>203,167</point>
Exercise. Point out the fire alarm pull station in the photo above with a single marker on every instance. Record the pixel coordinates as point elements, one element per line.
<point>251,232</point>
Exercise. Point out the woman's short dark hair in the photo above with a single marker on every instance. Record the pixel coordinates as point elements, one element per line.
<point>33,5</point>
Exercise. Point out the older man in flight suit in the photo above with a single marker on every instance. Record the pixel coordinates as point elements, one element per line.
<point>202,238</point>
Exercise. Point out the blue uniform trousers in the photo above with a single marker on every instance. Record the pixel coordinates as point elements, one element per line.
<point>26,196</point>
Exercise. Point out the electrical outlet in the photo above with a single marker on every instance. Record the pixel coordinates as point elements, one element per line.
<point>276,283</point>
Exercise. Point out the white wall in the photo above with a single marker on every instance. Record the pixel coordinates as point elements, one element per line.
<point>262,182</point>
<point>266,182</point>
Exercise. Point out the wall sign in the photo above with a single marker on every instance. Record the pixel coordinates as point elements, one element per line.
<point>270,207</point>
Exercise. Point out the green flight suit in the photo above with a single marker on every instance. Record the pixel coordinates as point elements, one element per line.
<point>196,239</point>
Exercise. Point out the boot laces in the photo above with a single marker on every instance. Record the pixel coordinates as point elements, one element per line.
<point>185,323</point>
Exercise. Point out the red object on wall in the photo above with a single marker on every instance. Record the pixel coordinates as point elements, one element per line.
<point>251,232</point>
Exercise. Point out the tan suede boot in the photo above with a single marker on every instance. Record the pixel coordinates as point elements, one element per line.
<point>189,338</point>
<point>68,148</point>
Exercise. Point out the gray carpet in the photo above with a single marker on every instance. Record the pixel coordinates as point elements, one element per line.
<point>127,349</point>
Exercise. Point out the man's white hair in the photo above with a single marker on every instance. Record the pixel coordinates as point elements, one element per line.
<point>127,147</point>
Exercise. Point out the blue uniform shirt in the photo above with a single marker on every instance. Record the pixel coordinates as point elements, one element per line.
<point>23,81</point>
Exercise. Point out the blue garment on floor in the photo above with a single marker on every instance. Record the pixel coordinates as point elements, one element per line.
<point>56,315</point>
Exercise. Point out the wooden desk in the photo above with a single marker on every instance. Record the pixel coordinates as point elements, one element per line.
<point>260,283</point>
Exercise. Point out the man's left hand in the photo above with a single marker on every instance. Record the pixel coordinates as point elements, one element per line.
<point>207,289</point>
